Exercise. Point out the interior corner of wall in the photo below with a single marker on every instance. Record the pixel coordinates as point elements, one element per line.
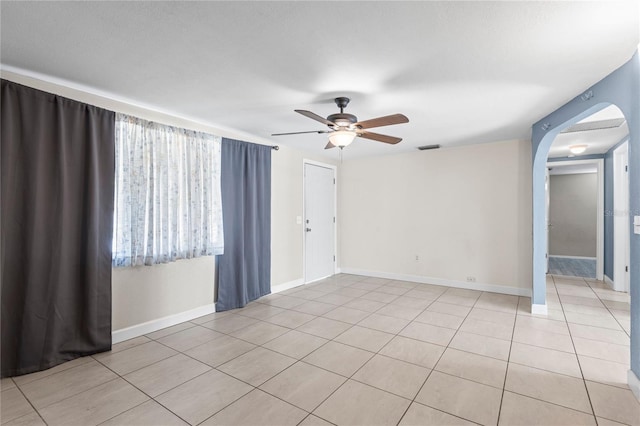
<point>634,384</point>
<point>286,286</point>
<point>608,281</point>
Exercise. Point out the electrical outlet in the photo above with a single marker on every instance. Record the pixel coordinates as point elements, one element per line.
<point>417,258</point>
<point>471,279</point>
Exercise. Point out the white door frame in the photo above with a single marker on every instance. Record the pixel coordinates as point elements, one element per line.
<point>599,162</point>
<point>547,200</point>
<point>304,213</point>
<point>621,221</point>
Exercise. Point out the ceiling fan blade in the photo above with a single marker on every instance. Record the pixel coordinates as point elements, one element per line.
<point>329,146</point>
<point>383,121</point>
<point>300,133</point>
<point>315,116</point>
<point>378,137</point>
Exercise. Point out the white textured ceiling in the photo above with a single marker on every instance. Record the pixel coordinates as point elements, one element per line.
<point>597,141</point>
<point>463,72</point>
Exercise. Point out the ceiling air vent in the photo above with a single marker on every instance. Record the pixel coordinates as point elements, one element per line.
<point>427,147</point>
<point>595,125</point>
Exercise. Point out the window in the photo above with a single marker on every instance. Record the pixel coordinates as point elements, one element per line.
<point>167,193</point>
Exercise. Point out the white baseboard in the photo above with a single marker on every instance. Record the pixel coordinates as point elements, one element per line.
<point>634,383</point>
<point>572,257</point>
<point>537,309</point>
<point>127,333</point>
<point>609,282</point>
<point>295,283</point>
<point>286,286</point>
<point>515,291</point>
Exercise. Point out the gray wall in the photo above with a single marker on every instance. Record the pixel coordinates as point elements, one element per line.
<point>573,214</point>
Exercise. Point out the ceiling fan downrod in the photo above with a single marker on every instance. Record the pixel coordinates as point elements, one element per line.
<point>342,103</point>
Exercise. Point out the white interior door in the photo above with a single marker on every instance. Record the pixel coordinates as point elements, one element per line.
<point>621,219</point>
<point>319,222</point>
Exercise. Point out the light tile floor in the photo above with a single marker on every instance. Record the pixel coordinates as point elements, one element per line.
<point>353,350</point>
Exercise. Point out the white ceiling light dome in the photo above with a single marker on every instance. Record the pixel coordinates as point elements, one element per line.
<point>341,138</point>
<point>578,149</point>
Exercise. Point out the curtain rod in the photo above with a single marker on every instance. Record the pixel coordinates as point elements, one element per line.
<point>276,147</point>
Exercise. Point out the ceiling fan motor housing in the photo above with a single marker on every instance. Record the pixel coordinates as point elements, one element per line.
<point>343,119</point>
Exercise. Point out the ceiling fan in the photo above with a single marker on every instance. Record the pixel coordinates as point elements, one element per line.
<point>344,127</point>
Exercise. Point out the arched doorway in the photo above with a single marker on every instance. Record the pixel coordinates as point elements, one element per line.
<point>581,189</point>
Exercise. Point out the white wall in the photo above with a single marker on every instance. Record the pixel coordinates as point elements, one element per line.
<point>148,293</point>
<point>573,211</point>
<point>463,211</point>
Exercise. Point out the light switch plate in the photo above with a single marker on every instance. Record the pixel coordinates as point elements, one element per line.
<point>298,220</point>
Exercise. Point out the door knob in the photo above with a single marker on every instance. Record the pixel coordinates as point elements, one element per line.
<point>308,229</point>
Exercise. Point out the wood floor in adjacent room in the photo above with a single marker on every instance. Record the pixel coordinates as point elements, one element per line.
<point>355,350</point>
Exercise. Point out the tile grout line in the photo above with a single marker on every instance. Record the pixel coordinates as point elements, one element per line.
<point>366,362</point>
<point>256,387</point>
<point>53,374</point>
<point>355,372</point>
<point>578,360</point>
<point>584,382</point>
<point>133,408</point>
<point>333,372</point>
<point>69,396</point>
<point>151,398</point>
<point>374,354</point>
<point>80,393</point>
<point>551,349</point>
<point>506,373</point>
<point>296,362</point>
<point>30,403</point>
<point>216,369</point>
<point>436,364</point>
<point>582,376</point>
<point>596,326</point>
<point>193,378</point>
<point>608,310</point>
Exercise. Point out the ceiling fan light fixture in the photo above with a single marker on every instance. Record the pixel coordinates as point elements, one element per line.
<point>577,149</point>
<point>341,138</point>
<point>344,127</point>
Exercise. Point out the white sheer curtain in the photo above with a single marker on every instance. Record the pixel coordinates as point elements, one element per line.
<point>167,193</point>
